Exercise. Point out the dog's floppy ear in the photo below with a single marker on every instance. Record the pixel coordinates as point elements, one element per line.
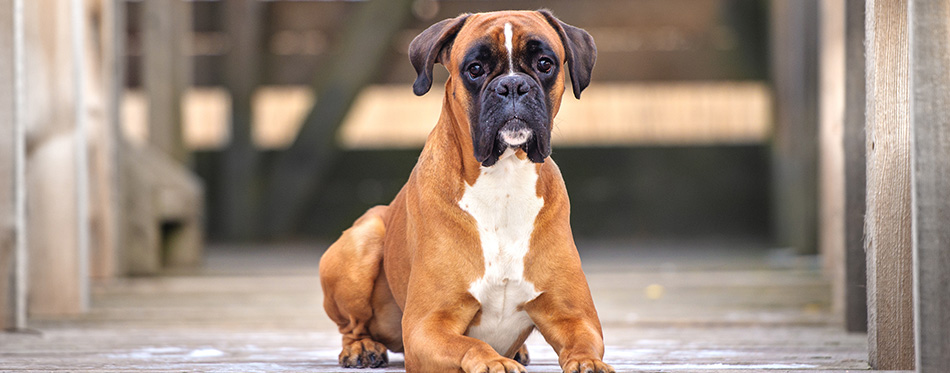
<point>579,48</point>
<point>427,48</point>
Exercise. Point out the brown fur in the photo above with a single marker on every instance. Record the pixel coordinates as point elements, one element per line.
<point>399,278</point>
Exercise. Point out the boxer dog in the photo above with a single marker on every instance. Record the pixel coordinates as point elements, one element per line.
<point>476,250</point>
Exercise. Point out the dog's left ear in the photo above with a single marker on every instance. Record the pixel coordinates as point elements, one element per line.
<point>579,48</point>
<point>427,48</point>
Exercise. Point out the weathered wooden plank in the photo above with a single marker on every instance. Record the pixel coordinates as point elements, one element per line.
<point>855,167</point>
<point>718,311</point>
<point>794,62</point>
<point>831,183</point>
<point>890,306</point>
<point>81,79</point>
<point>166,72</point>
<point>930,122</point>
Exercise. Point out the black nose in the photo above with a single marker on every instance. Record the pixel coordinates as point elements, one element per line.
<point>512,86</point>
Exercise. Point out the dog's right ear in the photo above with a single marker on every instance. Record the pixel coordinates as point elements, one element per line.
<point>427,48</point>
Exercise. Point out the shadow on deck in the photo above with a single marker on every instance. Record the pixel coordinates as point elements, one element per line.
<point>664,308</point>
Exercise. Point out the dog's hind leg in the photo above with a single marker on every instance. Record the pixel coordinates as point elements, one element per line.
<point>356,296</point>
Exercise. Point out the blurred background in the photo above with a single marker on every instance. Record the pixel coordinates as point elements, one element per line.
<point>298,115</point>
<point>153,130</point>
<point>739,174</point>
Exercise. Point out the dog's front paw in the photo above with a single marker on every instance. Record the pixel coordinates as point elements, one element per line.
<point>364,353</point>
<point>587,366</point>
<point>498,365</point>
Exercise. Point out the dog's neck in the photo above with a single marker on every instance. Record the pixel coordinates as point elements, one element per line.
<point>452,139</point>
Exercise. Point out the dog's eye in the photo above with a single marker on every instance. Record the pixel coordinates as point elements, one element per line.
<point>475,70</point>
<point>545,64</point>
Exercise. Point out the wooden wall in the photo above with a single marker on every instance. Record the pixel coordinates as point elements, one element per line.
<point>929,36</point>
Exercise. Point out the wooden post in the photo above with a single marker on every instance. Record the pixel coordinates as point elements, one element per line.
<point>77,41</point>
<point>930,121</point>
<point>795,142</point>
<point>107,190</point>
<point>236,208</point>
<point>166,72</point>
<point>890,306</point>
<point>854,289</point>
<point>56,281</point>
<point>831,227</point>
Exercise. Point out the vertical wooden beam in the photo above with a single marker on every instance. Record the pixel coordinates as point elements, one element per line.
<point>236,208</point>
<point>855,166</point>
<point>794,40</point>
<point>831,194</point>
<point>166,72</point>
<point>21,253</point>
<point>55,275</point>
<point>77,33</point>
<point>106,254</point>
<point>929,23</point>
<point>21,266</point>
<point>890,306</point>
<point>8,220</point>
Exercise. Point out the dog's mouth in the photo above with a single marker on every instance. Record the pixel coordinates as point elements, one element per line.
<point>515,133</point>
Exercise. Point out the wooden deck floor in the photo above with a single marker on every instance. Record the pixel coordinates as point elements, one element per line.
<point>665,308</point>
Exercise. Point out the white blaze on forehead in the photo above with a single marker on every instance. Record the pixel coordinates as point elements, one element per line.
<point>508,33</point>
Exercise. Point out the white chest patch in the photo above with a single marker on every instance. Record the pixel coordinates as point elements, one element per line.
<point>504,203</point>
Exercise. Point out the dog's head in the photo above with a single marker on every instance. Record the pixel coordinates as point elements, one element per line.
<point>506,72</point>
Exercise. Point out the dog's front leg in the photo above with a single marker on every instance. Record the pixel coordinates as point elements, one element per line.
<point>433,335</point>
<point>570,325</point>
